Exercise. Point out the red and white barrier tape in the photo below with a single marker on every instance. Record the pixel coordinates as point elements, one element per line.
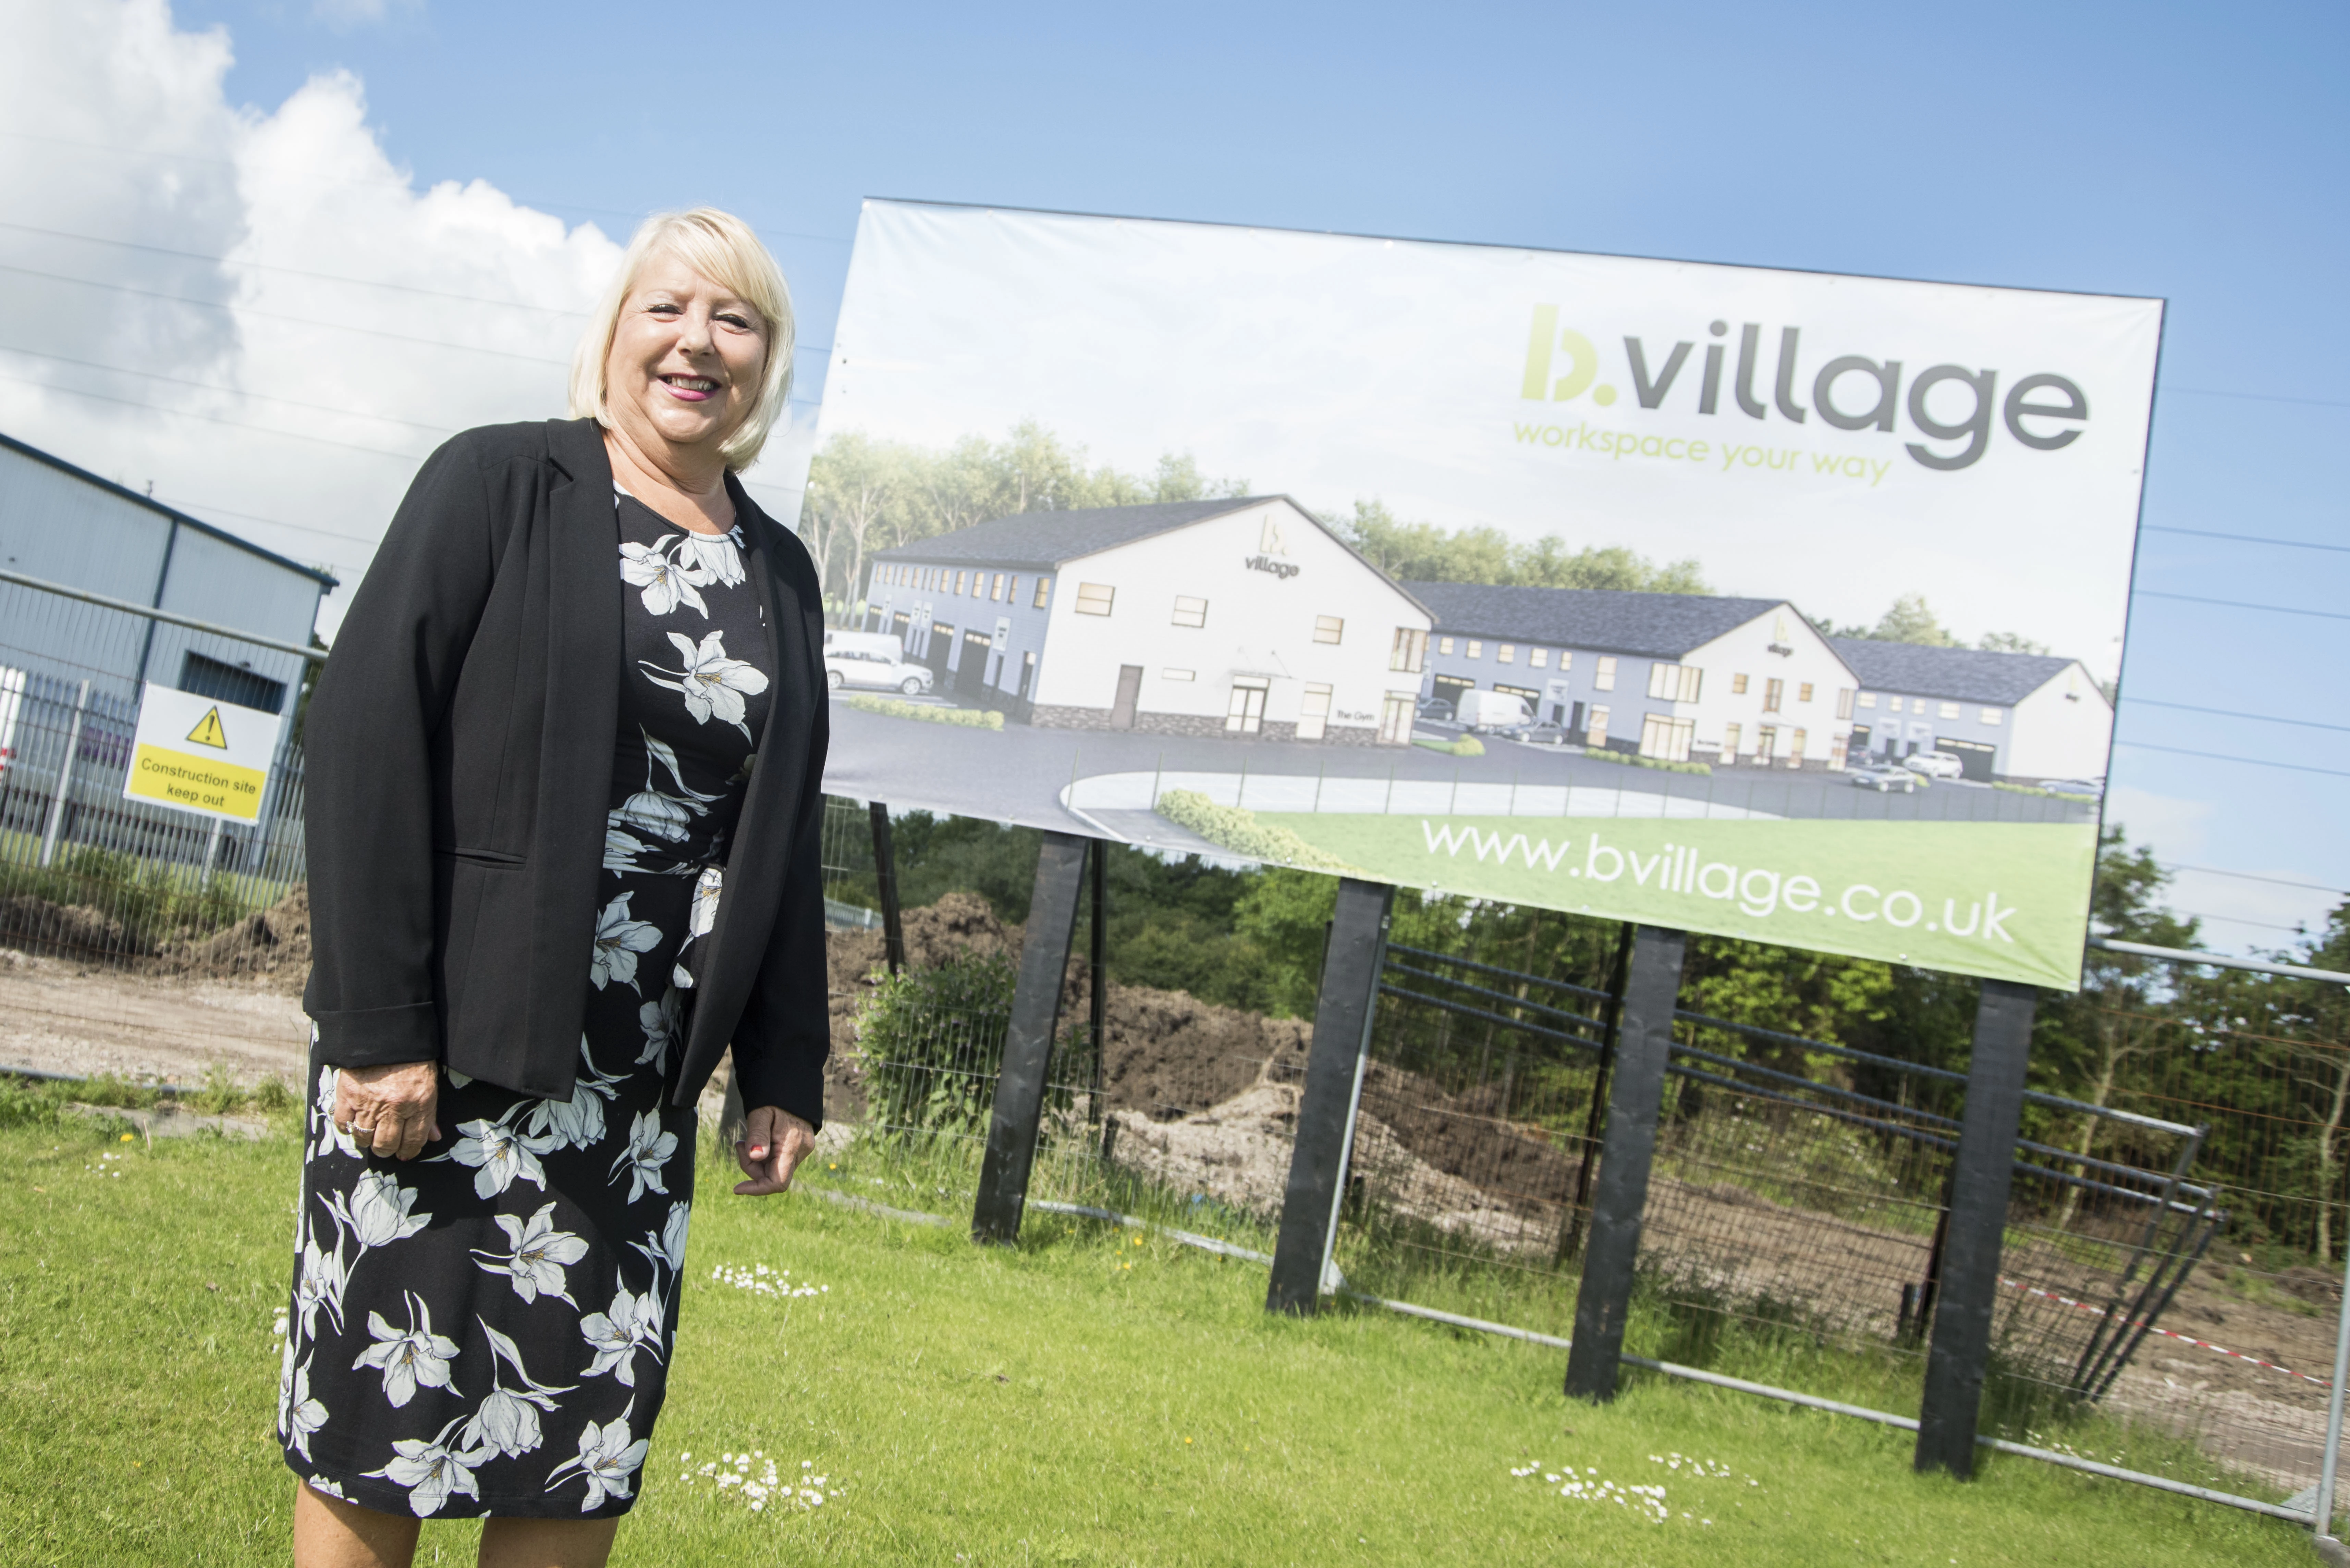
<point>2169,1333</point>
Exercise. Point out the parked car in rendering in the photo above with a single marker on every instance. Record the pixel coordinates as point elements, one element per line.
<point>1436,708</point>
<point>2094,789</point>
<point>1493,709</point>
<point>1882,777</point>
<point>1935,766</point>
<point>876,661</point>
<point>1544,734</point>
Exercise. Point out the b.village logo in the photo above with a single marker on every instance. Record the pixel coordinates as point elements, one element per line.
<point>2043,412</point>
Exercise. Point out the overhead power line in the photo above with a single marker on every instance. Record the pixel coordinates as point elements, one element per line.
<point>405,185</point>
<point>288,271</point>
<point>2239,604</point>
<point>231,391</point>
<point>211,419</point>
<point>2223,757</point>
<point>2247,538</point>
<point>2260,397</point>
<point>2255,877</point>
<point>2232,714</point>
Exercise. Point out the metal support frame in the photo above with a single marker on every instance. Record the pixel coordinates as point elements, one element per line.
<point>1097,985</point>
<point>1635,1100</point>
<point>1570,1230</point>
<point>1028,1041</point>
<point>885,877</point>
<point>1982,1175</point>
<point>1333,1086</point>
<point>57,824</point>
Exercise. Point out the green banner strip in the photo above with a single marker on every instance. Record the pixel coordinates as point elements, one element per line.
<point>2007,900</point>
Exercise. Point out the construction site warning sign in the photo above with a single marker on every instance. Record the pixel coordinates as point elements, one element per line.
<point>201,755</point>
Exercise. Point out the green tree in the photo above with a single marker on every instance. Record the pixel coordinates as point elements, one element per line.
<point>1425,552</point>
<point>2009,642</point>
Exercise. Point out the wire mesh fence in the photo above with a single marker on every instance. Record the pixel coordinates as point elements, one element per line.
<point>86,872</point>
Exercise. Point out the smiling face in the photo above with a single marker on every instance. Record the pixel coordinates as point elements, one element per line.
<point>687,361</point>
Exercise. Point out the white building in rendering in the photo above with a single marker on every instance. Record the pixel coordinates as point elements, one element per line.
<point>1234,617</point>
<point>1675,676</point>
<point>2003,715</point>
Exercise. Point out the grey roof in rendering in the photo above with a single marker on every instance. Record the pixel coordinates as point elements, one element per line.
<point>1605,620</point>
<point>1961,674</point>
<point>1042,540</point>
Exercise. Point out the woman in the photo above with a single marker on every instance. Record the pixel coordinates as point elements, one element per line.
<point>530,755</point>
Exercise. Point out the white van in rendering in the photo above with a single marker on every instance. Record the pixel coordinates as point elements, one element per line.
<point>872,659</point>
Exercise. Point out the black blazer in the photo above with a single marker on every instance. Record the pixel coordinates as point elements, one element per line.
<point>460,747</point>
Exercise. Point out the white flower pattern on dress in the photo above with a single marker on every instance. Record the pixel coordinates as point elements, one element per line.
<point>500,1153</point>
<point>507,1420</point>
<point>304,1414</point>
<point>431,1471</point>
<point>540,1253</point>
<point>408,1359</point>
<point>377,1212</point>
<point>577,1122</point>
<point>667,583</point>
<point>632,1323</point>
<point>660,1022</point>
<point>666,1245</point>
<point>647,1152</point>
<point>618,940</point>
<point>320,1285</point>
<point>609,1457</point>
<point>714,685</point>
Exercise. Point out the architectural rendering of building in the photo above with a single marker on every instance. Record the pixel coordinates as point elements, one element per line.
<point>2003,715</point>
<point>1234,617</point>
<point>1674,677</point>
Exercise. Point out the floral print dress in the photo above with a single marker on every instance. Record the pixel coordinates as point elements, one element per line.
<point>486,1330</point>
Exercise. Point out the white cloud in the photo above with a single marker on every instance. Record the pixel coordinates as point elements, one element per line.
<point>272,390</point>
<point>346,13</point>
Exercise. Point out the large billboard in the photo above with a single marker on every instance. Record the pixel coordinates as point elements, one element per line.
<point>1772,604</point>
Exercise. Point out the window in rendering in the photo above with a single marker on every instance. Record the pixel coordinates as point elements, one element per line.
<point>1773,691</point>
<point>1950,711</point>
<point>1027,672</point>
<point>1044,592</point>
<point>1476,649</point>
<point>1796,749</point>
<point>1245,713</point>
<point>1730,742</point>
<point>1738,686</point>
<point>1666,739</point>
<point>1507,653</point>
<point>1803,692</point>
<point>1094,598</point>
<point>1443,645</point>
<point>1539,658</point>
<point>1990,715</point>
<point>1328,628</point>
<point>959,577</point>
<point>1395,719</point>
<point>1171,674</point>
<point>1409,651</point>
<point>1603,678</point>
<point>1595,734</point>
<point>1313,713</point>
<point>1189,611</point>
<point>996,592</point>
<point>1868,699</point>
<point>1844,701</point>
<point>1675,682</point>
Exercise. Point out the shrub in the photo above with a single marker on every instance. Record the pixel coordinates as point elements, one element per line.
<point>932,1041</point>
<point>1625,759</point>
<point>891,708</point>
<point>1237,829</point>
<point>1466,746</point>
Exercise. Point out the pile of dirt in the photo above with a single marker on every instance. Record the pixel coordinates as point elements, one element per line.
<point>67,931</point>
<point>1169,1055</point>
<point>271,945</point>
<point>1464,1137</point>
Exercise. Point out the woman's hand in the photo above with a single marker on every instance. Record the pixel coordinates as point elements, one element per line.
<point>390,1111</point>
<point>774,1143</point>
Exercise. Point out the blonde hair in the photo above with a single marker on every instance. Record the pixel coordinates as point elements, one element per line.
<point>722,248</point>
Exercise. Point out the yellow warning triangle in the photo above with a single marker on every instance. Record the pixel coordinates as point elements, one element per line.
<point>208,730</point>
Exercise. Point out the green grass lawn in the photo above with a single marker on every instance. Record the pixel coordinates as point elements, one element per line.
<point>1082,1399</point>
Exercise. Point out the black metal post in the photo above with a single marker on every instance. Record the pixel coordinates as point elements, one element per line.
<point>1570,1230</point>
<point>1097,979</point>
<point>1635,1099</point>
<point>1980,1176</point>
<point>885,874</point>
<point>1028,1041</point>
<point>1342,1032</point>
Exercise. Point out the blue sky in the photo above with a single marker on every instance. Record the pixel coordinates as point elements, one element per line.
<point>2195,154</point>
